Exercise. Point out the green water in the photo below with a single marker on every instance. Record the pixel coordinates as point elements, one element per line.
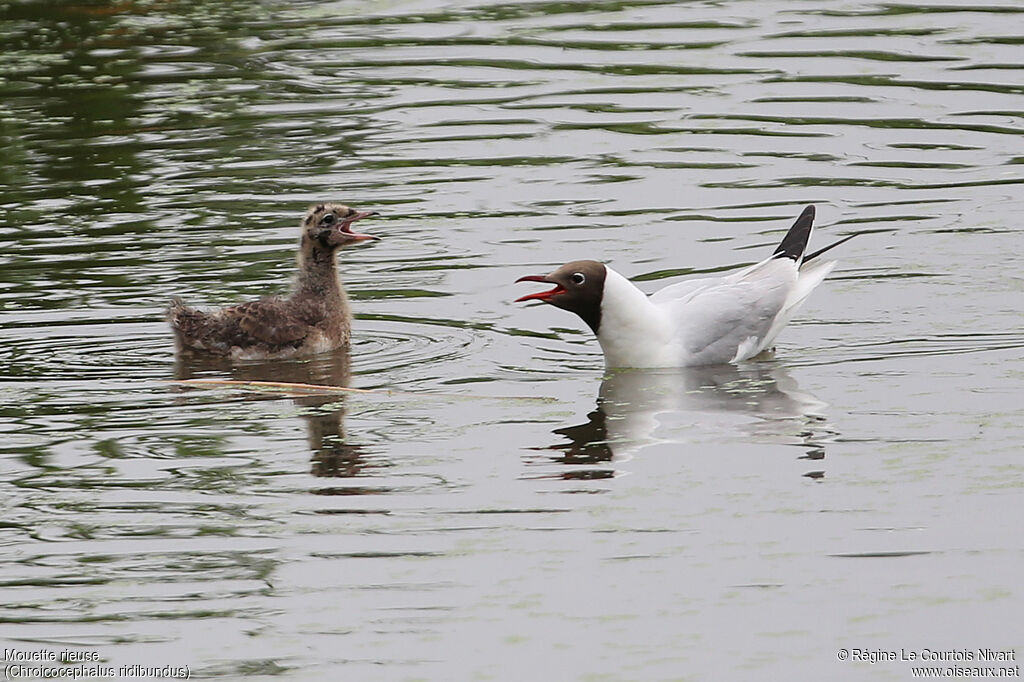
<point>498,509</point>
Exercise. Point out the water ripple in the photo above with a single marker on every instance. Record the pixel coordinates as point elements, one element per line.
<point>491,484</point>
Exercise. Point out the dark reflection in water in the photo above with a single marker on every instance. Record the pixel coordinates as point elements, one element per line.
<point>75,90</point>
<point>631,404</point>
<point>332,454</point>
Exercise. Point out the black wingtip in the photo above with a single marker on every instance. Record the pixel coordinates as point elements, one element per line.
<point>795,241</point>
<point>812,256</point>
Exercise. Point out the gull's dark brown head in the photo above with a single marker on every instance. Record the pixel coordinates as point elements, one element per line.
<point>579,288</point>
<point>331,225</point>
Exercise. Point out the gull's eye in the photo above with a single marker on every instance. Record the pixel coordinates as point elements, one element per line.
<point>578,278</point>
<point>328,219</point>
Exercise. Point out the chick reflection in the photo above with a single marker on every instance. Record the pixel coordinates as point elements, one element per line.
<point>631,402</point>
<point>325,418</point>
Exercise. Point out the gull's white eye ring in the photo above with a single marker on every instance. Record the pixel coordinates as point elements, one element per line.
<point>578,278</point>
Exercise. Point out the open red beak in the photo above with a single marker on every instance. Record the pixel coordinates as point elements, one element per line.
<point>540,295</point>
<point>346,227</point>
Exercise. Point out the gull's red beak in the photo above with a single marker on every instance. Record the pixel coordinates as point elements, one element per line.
<point>540,295</point>
<point>346,226</point>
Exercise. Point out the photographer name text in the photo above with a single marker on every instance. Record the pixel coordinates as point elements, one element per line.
<point>980,655</point>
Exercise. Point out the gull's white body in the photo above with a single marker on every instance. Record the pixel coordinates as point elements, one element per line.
<point>704,321</point>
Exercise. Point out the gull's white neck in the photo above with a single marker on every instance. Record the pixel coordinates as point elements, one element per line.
<point>633,331</point>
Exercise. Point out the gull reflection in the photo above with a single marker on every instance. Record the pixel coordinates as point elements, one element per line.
<point>632,406</point>
<point>332,454</point>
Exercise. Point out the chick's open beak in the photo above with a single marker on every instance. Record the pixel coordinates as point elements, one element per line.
<point>346,226</point>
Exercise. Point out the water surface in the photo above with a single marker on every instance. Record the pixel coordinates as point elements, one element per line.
<point>497,507</point>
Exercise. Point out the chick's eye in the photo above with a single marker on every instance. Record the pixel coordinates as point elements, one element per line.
<point>578,278</point>
<point>328,219</point>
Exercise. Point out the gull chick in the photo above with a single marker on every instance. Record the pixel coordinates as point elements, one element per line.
<point>314,317</point>
<point>704,321</point>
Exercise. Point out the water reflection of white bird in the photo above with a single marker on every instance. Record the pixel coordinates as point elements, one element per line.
<point>633,405</point>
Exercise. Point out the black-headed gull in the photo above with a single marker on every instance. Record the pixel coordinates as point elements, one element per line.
<point>705,321</point>
<point>314,318</point>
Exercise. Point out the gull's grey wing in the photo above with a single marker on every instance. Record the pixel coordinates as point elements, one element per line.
<point>730,318</point>
<point>682,290</point>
